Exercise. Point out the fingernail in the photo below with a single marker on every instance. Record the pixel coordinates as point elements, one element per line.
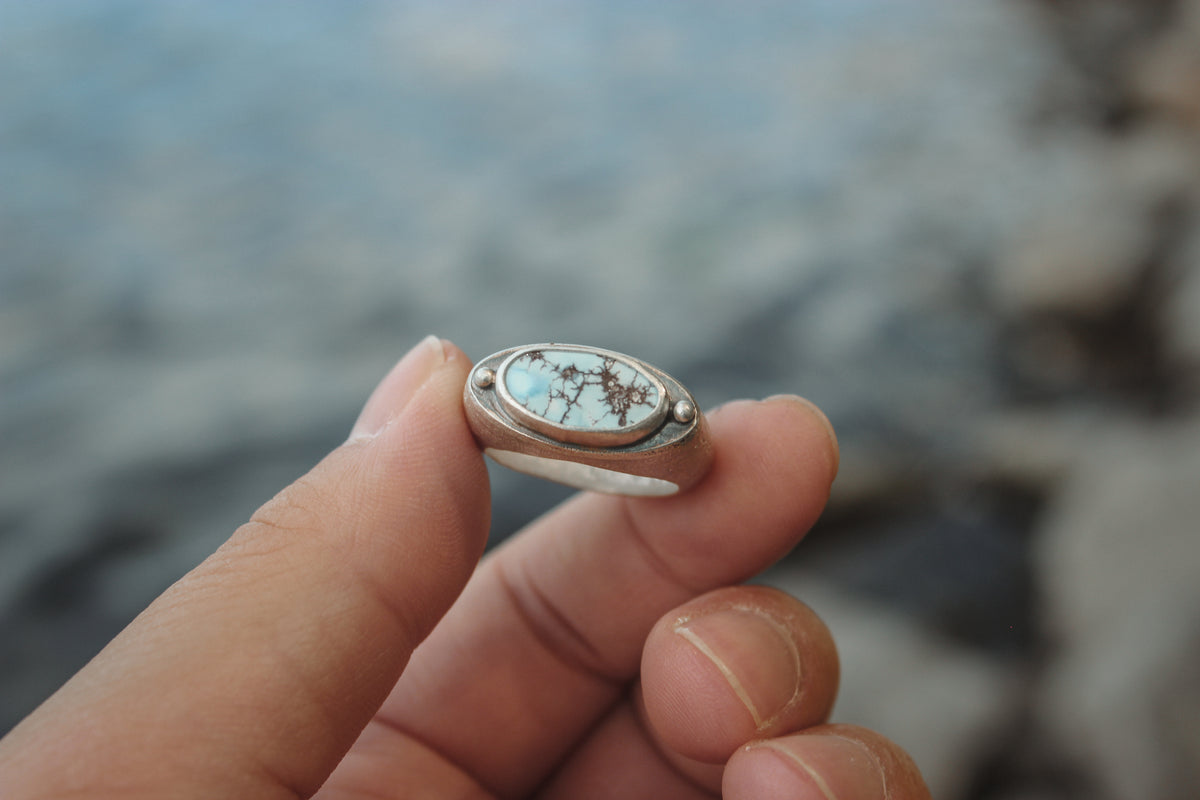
<point>398,387</point>
<point>812,408</point>
<point>754,653</point>
<point>828,768</point>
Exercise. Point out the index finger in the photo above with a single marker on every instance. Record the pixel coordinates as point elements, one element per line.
<point>550,629</point>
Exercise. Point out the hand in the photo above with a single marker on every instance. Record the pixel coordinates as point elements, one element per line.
<point>606,651</point>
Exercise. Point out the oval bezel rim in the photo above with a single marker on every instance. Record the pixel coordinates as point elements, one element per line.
<point>572,434</point>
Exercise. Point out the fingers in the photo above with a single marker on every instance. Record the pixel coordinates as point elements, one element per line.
<point>829,762</point>
<point>544,640</point>
<point>748,668</point>
<point>734,665</point>
<point>842,761</point>
<point>620,760</point>
<point>609,567</point>
<point>255,672</point>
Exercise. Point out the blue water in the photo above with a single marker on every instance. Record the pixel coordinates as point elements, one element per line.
<point>221,222</point>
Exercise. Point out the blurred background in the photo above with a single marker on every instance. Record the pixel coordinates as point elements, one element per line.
<point>968,230</point>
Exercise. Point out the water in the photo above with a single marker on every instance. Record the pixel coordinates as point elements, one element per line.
<point>222,222</point>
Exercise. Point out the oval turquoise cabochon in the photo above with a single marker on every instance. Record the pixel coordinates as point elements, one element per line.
<point>583,390</point>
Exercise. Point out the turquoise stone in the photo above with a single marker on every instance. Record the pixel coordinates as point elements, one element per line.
<point>581,390</point>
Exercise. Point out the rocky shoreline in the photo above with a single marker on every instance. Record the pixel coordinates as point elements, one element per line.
<point>968,231</point>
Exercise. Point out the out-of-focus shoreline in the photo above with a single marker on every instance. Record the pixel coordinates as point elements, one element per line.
<point>968,231</point>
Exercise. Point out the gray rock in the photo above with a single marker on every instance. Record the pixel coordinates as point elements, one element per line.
<point>1085,253</point>
<point>1181,312</point>
<point>1164,72</point>
<point>1118,558</point>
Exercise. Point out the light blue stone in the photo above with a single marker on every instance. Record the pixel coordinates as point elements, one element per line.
<point>581,390</point>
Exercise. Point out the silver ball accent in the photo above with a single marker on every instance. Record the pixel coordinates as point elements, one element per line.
<point>483,377</point>
<point>684,411</point>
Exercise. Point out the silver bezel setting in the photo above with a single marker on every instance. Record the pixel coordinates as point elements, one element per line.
<point>668,455</point>
<point>577,435</point>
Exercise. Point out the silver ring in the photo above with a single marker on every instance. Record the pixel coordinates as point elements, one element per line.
<point>589,418</point>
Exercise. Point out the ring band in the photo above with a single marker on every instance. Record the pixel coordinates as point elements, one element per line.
<point>589,418</point>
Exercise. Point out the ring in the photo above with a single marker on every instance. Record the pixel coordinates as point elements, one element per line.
<point>589,418</point>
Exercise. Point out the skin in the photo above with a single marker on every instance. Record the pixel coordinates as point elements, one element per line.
<point>347,642</point>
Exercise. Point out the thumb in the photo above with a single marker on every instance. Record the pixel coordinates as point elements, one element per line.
<point>254,674</point>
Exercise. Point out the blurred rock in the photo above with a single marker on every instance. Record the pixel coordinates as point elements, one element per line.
<point>1036,449</point>
<point>1118,559</point>
<point>1181,314</point>
<point>1084,255</point>
<point>1164,72</point>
